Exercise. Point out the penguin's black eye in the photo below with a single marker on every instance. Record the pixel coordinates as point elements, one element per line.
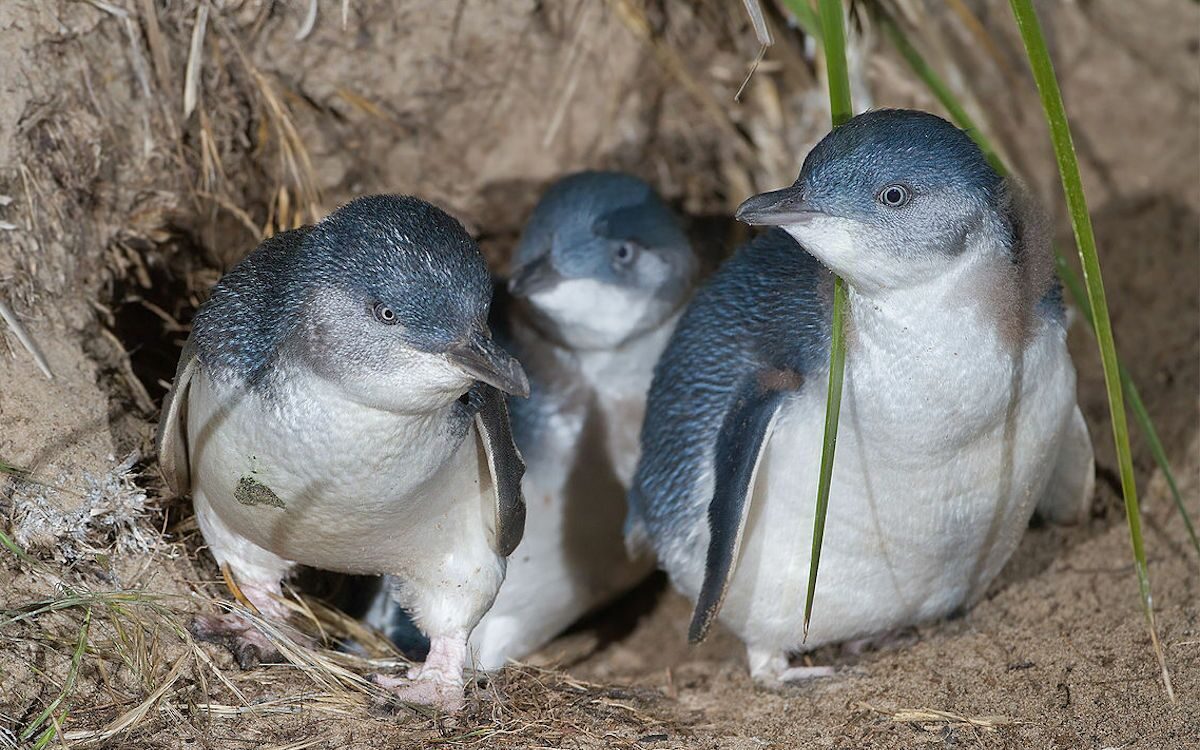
<point>625,253</point>
<point>895,195</point>
<point>384,314</point>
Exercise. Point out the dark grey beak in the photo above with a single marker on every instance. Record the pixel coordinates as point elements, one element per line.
<point>481,358</point>
<point>533,277</point>
<point>776,208</point>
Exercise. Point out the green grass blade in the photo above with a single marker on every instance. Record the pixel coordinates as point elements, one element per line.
<point>841,109</point>
<point>959,114</point>
<point>16,471</point>
<point>805,16</point>
<point>1081,223</point>
<point>837,73</point>
<point>68,684</point>
<point>13,547</point>
<point>1156,449</point>
<point>1075,287</point>
<point>939,88</point>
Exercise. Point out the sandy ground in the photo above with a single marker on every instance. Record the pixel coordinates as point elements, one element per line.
<point>122,214</point>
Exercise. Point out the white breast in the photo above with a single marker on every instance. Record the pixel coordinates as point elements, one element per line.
<point>364,490</point>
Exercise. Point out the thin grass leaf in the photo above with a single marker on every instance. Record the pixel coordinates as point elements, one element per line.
<point>1081,223</point>
<point>934,82</point>
<point>1075,287</point>
<point>50,732</point>
<point>16,471</point>
<point>68,684</point>
<point>763,33</point>
<point>13,547</point>
<point>841,109</point>
<point>837,73</point>
<point>805,17</point>
<point>1070,280</point>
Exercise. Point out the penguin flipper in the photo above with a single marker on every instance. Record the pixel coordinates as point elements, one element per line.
<point>170,438</point>
<point>506,466</point>
<point>1068,495</point>
<point>740,444</point>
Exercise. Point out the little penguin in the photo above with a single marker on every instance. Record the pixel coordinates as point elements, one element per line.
<point>338,404</point>
<point>599,278</point>
<point>958,418</point>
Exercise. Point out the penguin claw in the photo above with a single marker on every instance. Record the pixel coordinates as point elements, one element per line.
<point>442,694</point>
<point>247,644</point>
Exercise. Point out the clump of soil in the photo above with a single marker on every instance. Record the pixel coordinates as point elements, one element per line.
<point>145,147</point>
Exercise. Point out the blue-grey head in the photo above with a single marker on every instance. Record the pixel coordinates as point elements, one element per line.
<point>391,301</point>
<point>890,199</point>
<point>602,259</point>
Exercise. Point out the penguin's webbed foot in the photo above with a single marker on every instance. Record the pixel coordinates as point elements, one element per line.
<point>249,646</point>
<point>444,695</point>
<point>438,682</point>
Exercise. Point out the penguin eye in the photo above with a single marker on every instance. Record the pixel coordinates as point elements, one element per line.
<point>625,253</point>
<point>895,195</point>
<point>384,314</point>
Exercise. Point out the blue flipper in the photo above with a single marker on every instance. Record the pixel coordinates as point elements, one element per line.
<point>507,467</point>
<point>740,445</point>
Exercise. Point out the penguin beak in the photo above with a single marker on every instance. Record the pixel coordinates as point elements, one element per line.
<point>533,277</point>
<point>481,358</point>
<point>777,208</point>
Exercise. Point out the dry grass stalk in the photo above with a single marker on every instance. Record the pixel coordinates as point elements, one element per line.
<point>635,18</point>
<point>935,716</point>
<point>191,85</point>
<point>570,71</point>
<point>27,341</point>
<point>157,44</point>
<point>293,152</point>
<point>763,33</point>
<point>144,635</point>
<point>141,396</point>
<point>131,718</point>
<point>309,22</point>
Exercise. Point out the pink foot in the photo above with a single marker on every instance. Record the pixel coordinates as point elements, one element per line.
<point>438,682</point>
<point>444,696</point>
<point>247,644</point>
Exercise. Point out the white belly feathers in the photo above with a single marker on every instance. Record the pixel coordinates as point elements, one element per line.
<point>365,505</point>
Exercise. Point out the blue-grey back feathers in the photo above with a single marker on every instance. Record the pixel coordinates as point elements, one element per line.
<point>764,314</point>
<point>240,327</point>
